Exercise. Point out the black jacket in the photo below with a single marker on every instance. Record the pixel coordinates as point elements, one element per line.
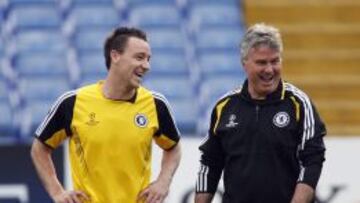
<point>264,147</point>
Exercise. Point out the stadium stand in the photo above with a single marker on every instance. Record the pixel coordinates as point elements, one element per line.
<point>58,45</point>
<point>156,15</point>
<point>33,17</point>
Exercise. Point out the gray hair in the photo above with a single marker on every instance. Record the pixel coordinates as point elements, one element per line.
<point>260,34</point>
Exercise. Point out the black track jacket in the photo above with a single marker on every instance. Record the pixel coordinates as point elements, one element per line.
<point>264,147</point>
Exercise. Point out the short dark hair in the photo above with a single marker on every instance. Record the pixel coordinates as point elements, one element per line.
<point>118,40</point>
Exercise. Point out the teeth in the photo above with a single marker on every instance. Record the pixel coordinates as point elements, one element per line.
<point>267,78</point>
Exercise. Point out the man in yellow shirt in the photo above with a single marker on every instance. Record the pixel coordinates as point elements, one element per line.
<point>110,126</point>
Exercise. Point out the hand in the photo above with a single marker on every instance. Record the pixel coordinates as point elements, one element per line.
<point>155,192</point>
<point>71,197</point>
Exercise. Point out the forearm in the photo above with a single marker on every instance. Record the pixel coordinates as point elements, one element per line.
<point>303,194</point>
<point>41,157</point>
<point>203,197</point>
<point>169,164</point>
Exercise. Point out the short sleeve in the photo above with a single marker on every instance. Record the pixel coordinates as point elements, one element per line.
<point>167,135</point>
<point>55,127</point>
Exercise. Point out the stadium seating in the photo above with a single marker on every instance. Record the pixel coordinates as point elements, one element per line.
<point>2,47</point>
<point>150,15</point>
<point>90,39</point>
<point>166,39</point>
<point>185,114</point>
<point>215,63</point>
<point>2,16</point>
<point>169,63</point>
<point>33,17</point>
<point>225,39</point>
<point>3,90</point>
<point>34,113</point>
<point>14,3</point>
<point>93,16</point>
<point>38,93</point>
<point>32,88</point>
<point>93,2</point>
<point>39,41</point>
<point>214,15</point>
<point>41,64</point>
<point>134,3</point>
<point>172,87</point>
<point>214,88</point>
<point>6,121</point>
<point>59,45</point>
<point>92,63</point>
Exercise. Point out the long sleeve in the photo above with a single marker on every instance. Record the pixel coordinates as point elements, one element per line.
<point>211,161</point>
<point>312,149</point>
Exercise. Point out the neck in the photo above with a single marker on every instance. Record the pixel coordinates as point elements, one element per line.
<point>117,90</point>
<point>255,95</point>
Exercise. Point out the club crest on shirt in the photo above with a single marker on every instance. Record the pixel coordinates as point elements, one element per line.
<point>141,120</point>
<point>92,119</point>
<point>281,119</point>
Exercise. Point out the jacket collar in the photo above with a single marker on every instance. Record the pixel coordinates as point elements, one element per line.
<point>275,96</point>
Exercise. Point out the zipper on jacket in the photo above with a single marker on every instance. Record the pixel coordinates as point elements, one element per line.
<point>257,108</point>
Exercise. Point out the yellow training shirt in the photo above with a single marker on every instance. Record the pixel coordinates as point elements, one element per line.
<point>109,140</point>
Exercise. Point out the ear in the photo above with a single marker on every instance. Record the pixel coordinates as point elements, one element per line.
<point>243,64</point>
<point>115,55</point>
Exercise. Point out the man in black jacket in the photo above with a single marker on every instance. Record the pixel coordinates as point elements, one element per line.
<point>266,136</point>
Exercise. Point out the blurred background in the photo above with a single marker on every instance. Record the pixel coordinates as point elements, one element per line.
<point>50,46</point>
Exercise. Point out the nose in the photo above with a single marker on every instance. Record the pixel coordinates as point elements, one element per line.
<point>146,65</point>
<point>269,68</point>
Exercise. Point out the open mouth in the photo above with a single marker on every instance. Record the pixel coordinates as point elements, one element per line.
<point>139,75</point>
<point>266,78</point>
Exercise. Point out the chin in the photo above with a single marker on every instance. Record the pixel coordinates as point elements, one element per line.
<point>135,83</point>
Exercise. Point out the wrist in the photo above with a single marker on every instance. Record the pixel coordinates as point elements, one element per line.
<point>166,181</point>
<point>56,193</point>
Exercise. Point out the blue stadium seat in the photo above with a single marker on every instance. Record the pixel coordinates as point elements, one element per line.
<point>134,3</point>
<point>94,15</point>
<point>229,2</point>
<point>173,88</point>
<point>94,2</point>
<point>185,114</point>
<point>169,63</point>
<point>213,88</point>
<point>214,64</point>
<point>150,15</point>
<point>90,39</point>
<point>225,39</point>
<point>3,90</point>
<point>91,78</point>
<point>36,112</point>
<point>2,48</point>
<point>40,41</point>
<point>92,63</point>
<point>2,15</point>
<point>6,121</point>
<point>34,17</point>
<point>32,2</point>
<point>220,14</point>
<point>42,88</point>
<point>41,64</point>
<point>166,39</point>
